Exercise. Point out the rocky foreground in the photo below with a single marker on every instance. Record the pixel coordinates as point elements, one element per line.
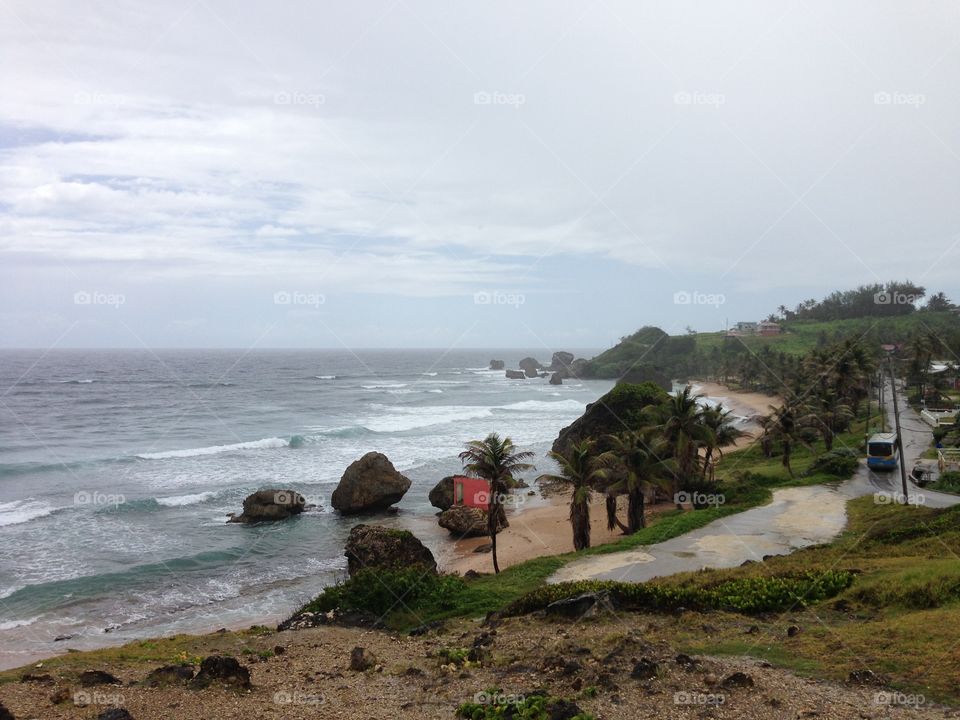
<point>617,666</point>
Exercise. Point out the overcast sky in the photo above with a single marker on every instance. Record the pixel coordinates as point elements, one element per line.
<point>436,174</point>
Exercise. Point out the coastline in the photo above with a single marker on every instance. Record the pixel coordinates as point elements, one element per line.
<point>545,529</point>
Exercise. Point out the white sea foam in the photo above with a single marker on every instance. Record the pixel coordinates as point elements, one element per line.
<point>380,386</point>
<point>265,443</point>
<point>325,377</point>
<point>11,624</point>
<point>181,500</point>
<point>21,511</point>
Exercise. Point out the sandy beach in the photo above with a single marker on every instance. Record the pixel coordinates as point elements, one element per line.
<point>545,530</point>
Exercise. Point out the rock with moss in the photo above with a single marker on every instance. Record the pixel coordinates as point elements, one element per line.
<point>374,546</point>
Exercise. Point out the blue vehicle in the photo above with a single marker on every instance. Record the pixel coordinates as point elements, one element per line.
<point>883,452</point>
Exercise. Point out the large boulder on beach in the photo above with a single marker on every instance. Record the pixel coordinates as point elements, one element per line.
<point>531,367</point>
<point>224,670</point>
<point>441,497</point>
<point>465,521</point>
<point>497,364</point>
<point>560,361</point>
<point>516,375</point>
<point>370,483</point>
<point>374,546</point>
<point>267,505</point>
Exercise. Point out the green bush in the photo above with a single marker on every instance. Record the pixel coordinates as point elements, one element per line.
<point>746,595</point>
<point>842,463</point>
<point>497,706</point>
<point>380,591</point>
<point>949,481</point>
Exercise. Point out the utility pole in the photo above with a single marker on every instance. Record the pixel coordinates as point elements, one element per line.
<point>896,415</point>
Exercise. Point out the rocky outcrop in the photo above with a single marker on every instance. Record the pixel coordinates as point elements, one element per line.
<point>646,374</point>
<point>222,669</point>
<point>89,678</point>
<point>531,367</point>
<point>169,675</point>
<point>560,361</point>
<point>516,375</point>
<point>556,379</point>
<point>466,521</point>
<point>368,484</point>
<point>373,546</point>
<point>267,505</point>
<point>497,364</point>
<point>613,413</point>
<point>441,497</point>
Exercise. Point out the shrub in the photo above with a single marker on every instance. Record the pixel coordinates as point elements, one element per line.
<point>842,463</point>
<point>746,595</point>
<point>949,481</point>
<point>380,591</point>
<point>535,706</point>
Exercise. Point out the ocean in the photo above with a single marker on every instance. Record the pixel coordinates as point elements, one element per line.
<point>118,468</point>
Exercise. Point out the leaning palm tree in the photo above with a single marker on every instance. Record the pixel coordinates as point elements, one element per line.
<point>783,425</point>
<point>723,433</point>
<point>495,459</point>
<point>582,470</point>
<point>645,466</point>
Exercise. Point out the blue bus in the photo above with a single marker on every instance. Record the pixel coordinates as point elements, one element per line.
<point>882,451</point>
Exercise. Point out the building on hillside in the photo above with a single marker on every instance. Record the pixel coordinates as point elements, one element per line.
<point>947,370</point>
<point>768,328</point>
<point>742,328</point>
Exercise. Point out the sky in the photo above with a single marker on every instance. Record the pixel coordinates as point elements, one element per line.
<point>435,174</point>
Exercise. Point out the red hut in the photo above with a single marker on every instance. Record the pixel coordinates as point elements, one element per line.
<point>473,492</point>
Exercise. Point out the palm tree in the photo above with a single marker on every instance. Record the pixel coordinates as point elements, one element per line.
<point>681,423</point>
<point>724,433</point>
<point>827,415</point>
<point>782,425</point>
<point>645,466</point>
<point>582,470</point>
<point>495,459</point>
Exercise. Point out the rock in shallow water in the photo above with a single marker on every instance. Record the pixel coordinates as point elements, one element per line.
<point>267,505</point>
<point>370,483</point>
<point>373,546</point>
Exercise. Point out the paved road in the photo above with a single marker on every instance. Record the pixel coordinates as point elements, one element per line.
<point>795,518</point>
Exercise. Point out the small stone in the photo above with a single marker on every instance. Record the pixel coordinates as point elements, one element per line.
<point>60,696</point>
<point>793,631</point>
<point>89,678</point>
<point>737,680</point>
<point>645,669</point>
<point>115,714</point>
<point>361,659</point>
